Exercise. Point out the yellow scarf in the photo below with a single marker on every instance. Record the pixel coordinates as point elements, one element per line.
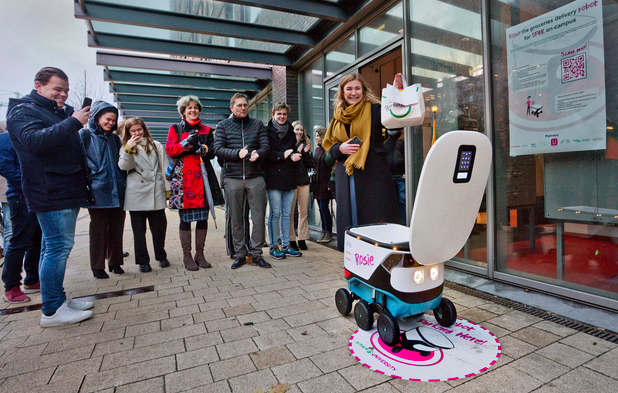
<point>359,118</point>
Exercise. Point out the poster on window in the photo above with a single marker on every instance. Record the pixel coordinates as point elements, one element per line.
<point>557,81</point>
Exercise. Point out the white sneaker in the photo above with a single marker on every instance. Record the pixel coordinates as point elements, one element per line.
<point>79,305</point>
<point>64,316</point>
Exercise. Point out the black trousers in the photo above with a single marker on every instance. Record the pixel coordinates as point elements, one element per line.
<point>25,246</point>
<point>157,221</point>
<point>106,228</point>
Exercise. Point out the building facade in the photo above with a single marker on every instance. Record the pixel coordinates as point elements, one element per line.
<point>538,78</point>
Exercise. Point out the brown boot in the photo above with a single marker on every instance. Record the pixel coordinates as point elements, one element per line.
<point>200,239</point>
<point>185,243</point>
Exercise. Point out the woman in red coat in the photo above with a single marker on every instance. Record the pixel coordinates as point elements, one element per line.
<point>189,143</point>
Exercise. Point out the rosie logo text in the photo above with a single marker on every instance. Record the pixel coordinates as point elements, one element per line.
<point>366,260</point>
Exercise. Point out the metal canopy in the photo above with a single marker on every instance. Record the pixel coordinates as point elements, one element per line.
<point>257,31</point>
<point>190,23</point>
<point>232,46</point>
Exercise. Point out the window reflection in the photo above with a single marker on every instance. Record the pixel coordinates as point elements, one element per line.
<point>447,61</point>
<point>554,210</point>
<point>341,56</point>
<point>383,29</point>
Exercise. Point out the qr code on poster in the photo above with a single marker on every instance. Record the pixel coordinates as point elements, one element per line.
<point>574,68</point>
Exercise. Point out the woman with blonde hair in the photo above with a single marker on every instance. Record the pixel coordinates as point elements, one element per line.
<point>364,191</point>
<point>146,161</point>
<point>301,197</point>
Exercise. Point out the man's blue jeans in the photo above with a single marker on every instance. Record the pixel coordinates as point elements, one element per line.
<point>280,207</point>
<point>58,238</point>
<point>8,226</point>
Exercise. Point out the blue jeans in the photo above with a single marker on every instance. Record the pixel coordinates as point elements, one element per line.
<point>280,207</point>
<point>325,216</point>
<point>8,226</point>
<point>58,238</point>
<point>24,250</point>
<point>400,187</point>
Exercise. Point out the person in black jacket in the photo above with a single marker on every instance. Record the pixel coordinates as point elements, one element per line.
<point>395,156</point>
<point>44,133</point>
<point>242,145</point>
<point>321,190</point>
<point>24,249</point>
<point>108,184</point>
<point>281,172</point>
<point>303,183</point>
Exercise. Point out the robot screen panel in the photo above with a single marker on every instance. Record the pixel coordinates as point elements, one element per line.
<point>464,164</point>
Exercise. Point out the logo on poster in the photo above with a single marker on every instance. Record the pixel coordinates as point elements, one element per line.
<point>554,141</point>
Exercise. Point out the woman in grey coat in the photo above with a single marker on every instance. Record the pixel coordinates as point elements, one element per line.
<point>146,161</point>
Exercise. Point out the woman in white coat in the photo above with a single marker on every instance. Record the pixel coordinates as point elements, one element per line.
<point>146,161</point>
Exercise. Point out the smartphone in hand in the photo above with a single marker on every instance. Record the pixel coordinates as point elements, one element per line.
<point>355,141</point>
<point>87,102</point>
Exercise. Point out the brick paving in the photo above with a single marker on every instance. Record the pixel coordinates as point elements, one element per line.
<point>219,330</point>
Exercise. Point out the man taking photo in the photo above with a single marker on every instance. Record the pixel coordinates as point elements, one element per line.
<point>44,133</point>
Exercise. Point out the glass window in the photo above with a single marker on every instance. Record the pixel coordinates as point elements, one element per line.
<point>556,211</point>
<point>312,113</point>
<point>382,30</point>
<point>341,56</point>
<point>447,61</point>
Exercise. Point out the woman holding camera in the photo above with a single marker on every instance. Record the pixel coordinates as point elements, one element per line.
<point>189,144</point>
<point>146,161</point>
<point>108,186</point>
<point>364,191</point>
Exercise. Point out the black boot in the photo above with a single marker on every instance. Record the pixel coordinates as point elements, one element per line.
<point>99,273</point>
<point>302,245</point>
<point>294,245</point>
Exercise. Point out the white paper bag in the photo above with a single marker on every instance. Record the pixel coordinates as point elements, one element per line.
<point>402,108</point>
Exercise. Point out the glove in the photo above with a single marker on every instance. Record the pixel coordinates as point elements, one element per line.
<point>192,139</point>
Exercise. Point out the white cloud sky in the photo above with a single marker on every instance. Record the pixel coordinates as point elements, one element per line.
<point>40,33</point>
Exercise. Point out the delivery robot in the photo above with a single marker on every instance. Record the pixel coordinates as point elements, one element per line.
<point>398,271</point>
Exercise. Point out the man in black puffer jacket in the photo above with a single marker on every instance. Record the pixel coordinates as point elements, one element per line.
<point>242,144</point>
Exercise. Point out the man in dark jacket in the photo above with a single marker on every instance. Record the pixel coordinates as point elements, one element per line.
<point>25,246</point>
<point>44,133</point>
<point>241,143</point>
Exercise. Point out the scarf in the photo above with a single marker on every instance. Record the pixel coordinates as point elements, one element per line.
<point>359,118</point>
<point>281,129</point>
<point>187,126</point>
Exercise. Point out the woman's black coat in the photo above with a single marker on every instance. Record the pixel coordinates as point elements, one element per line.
<point>281,172</point>
<point>322,175</point>
<point>376,199</point>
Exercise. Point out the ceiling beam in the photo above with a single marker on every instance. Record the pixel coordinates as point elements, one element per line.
<point>172,114</point>
<point>151,45</point>
<point>176,92</point>
<point>181,80</point>
<point>177,21</point>
<point>181,65</point>
<point>315,8</point>
<point>148,119</point>
<point>129,99</point>
<point>164,108</point>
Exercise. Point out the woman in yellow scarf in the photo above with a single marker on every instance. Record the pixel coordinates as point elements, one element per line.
<point>364,190</point>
